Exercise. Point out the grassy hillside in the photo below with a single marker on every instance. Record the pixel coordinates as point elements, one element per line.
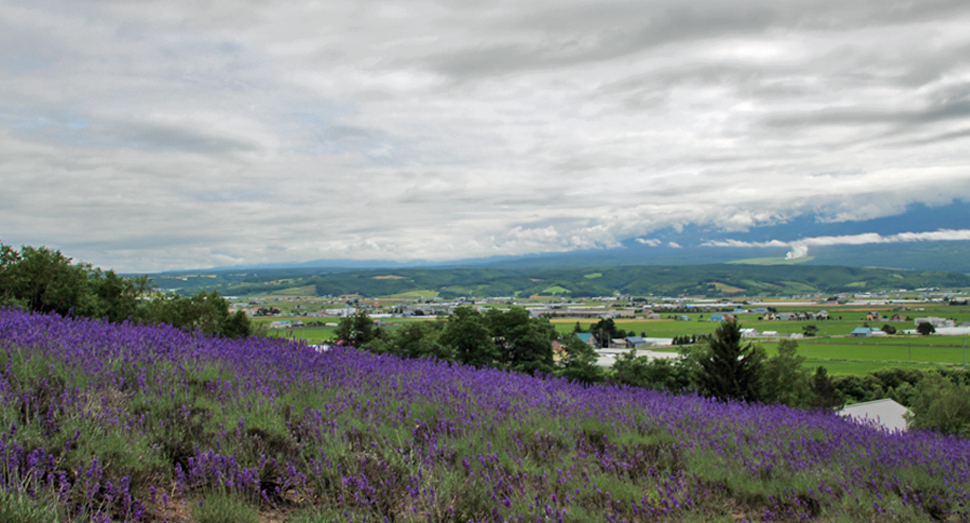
<point>712,280</point>
<point>116,422</point>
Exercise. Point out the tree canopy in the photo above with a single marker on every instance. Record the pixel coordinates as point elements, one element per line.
<point>44,280</point>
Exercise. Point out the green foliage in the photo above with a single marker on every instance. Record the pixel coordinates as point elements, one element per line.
<point>470,339</point>
<point>894,382</point>
<point>420,340</point>
<point>658,374</point>
<point>579,362</point>
<point>207,312</point>
<point>925,328</point>
<point>224,508</point>
<point>859,388</point>
<point>237,325</point>
<point>888,329</point>
<point>44,280</point>
<point>357,330</point>
<point>824,395</point>
<point>507,339</point>
<point>730,370</point>
<point>940,404</point>
<point>605,330</point>
<point>785,380</point>
<point>524,343</point>
<point>18,507</point>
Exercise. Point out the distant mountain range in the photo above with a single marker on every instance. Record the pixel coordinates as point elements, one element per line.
<point>642,280</point>
<point>921,238</point>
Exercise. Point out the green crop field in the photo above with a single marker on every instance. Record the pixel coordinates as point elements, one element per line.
<point>306,290</point>
<point>860,368</point>
<point>313,335</point>
<point>844,349</point>
<point>772,261</point>
<point>555,289</point>
<point>413,295</point>
<point>831,348</point>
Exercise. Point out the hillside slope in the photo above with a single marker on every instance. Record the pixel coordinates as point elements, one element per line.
<point>726,279</point>
<point>117,422</point>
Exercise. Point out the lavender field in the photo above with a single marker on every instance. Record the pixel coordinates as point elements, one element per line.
<point>119,422</point>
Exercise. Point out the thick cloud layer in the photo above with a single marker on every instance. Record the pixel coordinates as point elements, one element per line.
<point>799,248</point>
<point>154,135</point>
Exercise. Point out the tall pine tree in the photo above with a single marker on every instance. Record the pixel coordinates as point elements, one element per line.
<point>730,370</point>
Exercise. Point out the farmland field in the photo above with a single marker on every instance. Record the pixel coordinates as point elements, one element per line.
<point>832,347</point>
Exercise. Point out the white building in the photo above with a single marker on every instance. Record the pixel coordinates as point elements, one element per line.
<point>607,357</point>
<point>937,323</point>
<point>885,412</point>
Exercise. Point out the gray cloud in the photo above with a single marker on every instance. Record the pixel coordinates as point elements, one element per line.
<point>178,134</point>
<point>800,248</point>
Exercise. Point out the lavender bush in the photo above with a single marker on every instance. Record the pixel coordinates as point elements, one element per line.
<point>119,422</point>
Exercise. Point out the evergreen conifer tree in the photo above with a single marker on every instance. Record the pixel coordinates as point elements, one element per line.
<point>730,370</point>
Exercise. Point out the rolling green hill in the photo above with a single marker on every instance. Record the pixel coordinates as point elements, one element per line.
<point>710,280</point>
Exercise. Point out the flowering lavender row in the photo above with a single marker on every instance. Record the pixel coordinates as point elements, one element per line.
<point>119,421</point>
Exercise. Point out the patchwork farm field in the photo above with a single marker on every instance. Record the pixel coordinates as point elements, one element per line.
<point>118,422</point>
<point>832,349</point>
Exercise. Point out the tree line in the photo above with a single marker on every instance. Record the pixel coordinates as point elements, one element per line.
<point>718,365</point>
<point>44,280</point>
<point>724,367</point>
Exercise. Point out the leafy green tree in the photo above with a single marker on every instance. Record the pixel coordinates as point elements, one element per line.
<point>859,388</point>
<point>357,329</point>
<point>888,329</point>
<point>785,381</point>
<point>903,394</point>
<point>117,298</point>
<point>926,328</point>
<point>524,343</point>
<point>579,362</point>
<point>894,377</point>
<point>206,311</point>
<point>940,404</point>
<point>44,280</point>
<point>469,338</point>
<point>237,325</point>
<point>730,370</point>
<point>605,330</point>
<point>810,331</point>
<point>657,374</point>
<point>824,395</point>
<point>421,339</point>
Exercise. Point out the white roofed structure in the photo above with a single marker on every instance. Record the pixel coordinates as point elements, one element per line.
<point>884,412</point>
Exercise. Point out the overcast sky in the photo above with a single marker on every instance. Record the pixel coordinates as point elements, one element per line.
<point>146,136</point>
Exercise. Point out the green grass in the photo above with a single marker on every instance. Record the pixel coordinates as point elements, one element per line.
<point>413,295</point>
<point>306,290</point>
<point>833,349</point>
<point>18,507</point>
<point>223,508</point>
<point>556,289</point>
<point>843,348</point>
<point>313,335</point>
<point>593,275</point>
<point>772,261</point>
<point>860,368</point>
